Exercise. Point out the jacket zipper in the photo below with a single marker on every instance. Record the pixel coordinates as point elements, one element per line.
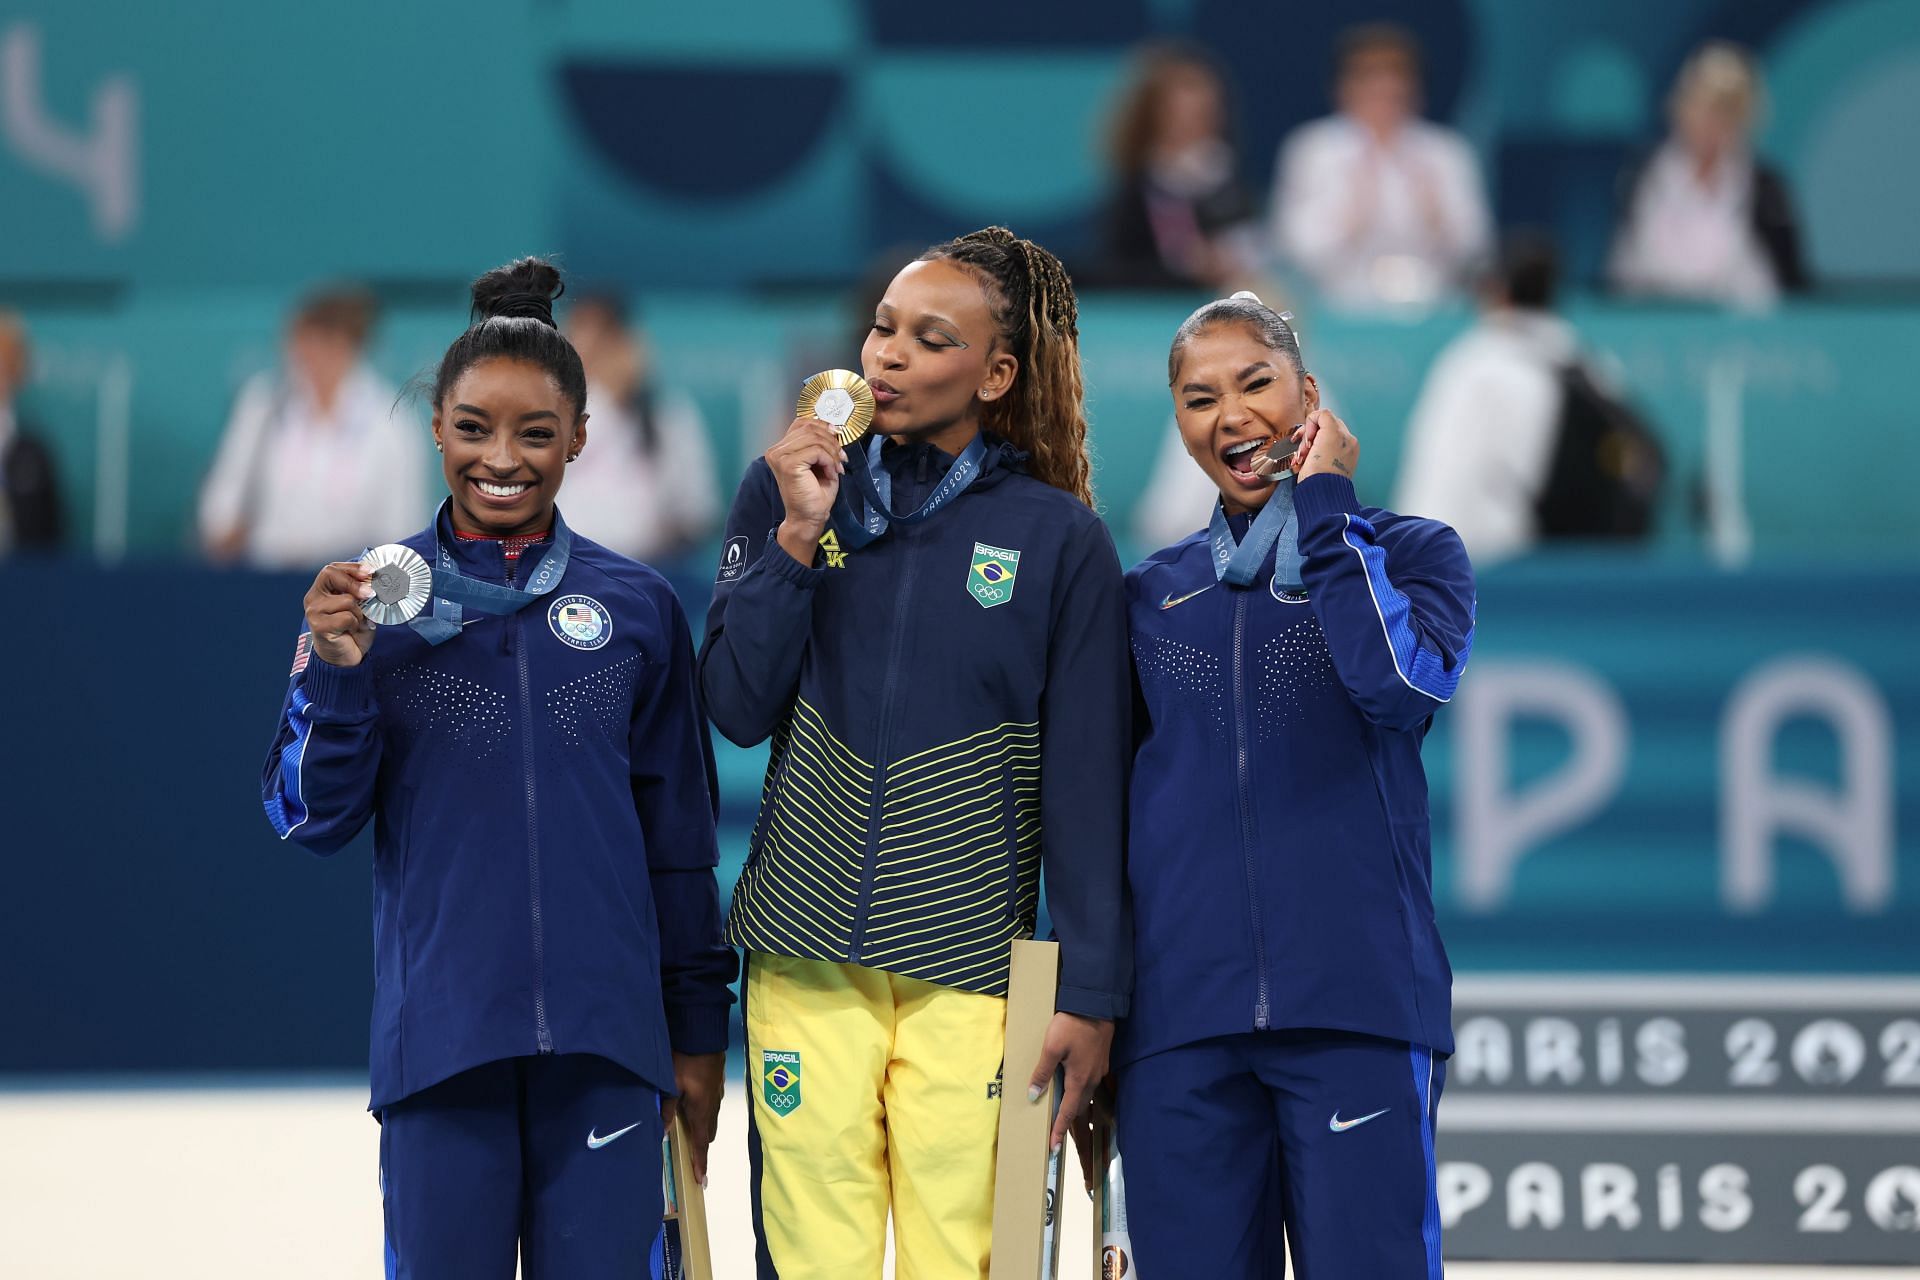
<point>902,608</point>
<point>1243,776</point>
<point>543,1036</point>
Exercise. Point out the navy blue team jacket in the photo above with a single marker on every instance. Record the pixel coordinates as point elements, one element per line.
<point>542,793</point>
<point>949,710</point>
<point>1278,849</point>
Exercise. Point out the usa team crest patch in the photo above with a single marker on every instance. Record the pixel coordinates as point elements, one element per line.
<point>991,576</point>
<point>780,1080</point>
<point>580,621</point>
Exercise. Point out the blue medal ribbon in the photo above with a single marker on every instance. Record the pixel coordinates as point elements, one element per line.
<point>861,518</point>
<point>454,593</point>
<point>1276,531</point>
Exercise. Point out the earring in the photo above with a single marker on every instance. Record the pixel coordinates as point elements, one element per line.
<point>572,456</point>
<point>438,447</point>
<point>985,394</point>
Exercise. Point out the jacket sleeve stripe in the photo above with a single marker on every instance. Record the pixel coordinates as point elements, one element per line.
<point>1422,670</point>
<point>287,807</point>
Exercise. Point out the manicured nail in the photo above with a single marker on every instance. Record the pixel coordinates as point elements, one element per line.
<point>1033,1092</point>
<point>366,591</point>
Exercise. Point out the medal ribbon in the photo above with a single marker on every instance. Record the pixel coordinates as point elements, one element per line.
<point>862,518</point>
<point>1275,530</point>
<point>454,593</point>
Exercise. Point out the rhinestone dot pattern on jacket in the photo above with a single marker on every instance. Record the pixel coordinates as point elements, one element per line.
<point>595,709</point>
<point>1186,668</point>
<point>450,710</point>
<point>1293,668</point>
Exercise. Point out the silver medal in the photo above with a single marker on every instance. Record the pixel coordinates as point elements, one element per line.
<point>402,585</point>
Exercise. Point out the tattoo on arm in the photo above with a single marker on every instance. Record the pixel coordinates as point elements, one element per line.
<point>1340,465</point>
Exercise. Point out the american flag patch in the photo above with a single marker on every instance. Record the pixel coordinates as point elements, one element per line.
<point>302,650</point>
<point>578,615</point>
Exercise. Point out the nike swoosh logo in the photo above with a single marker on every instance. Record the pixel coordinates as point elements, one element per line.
<point>594,1142</point>
<point>1171,601</point>
<point>1341,1126</point>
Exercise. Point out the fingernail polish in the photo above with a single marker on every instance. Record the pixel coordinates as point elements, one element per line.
<point>1033,1092</point>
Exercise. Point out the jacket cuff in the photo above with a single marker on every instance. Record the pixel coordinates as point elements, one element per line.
<point>1319,497</point>
<point>784,567</point>
<point>340,693</point>
<point>1089,1003</point>
<point>698,1028</point>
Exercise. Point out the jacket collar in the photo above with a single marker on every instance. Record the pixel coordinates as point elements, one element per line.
<point>482,557</point>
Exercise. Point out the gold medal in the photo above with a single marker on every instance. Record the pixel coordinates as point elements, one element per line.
<point>841,398</point>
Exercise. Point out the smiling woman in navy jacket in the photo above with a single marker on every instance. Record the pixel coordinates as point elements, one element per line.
<point>940,658</point>
<point>548,963</point>
<point>1291,1011</point>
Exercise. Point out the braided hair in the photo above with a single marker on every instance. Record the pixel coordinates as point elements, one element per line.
<point>1037,318</point>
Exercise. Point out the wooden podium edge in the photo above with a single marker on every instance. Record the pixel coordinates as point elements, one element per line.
<point>1020,1160</point>
<point>690,1201</point>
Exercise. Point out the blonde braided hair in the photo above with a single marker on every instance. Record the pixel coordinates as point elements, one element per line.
<point>1036,315</point>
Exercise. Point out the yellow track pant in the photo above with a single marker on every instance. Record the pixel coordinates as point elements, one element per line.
<point>870,1090</point>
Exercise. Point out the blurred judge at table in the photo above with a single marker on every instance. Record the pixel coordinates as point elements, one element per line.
<point>1381,209</point>
<point>1178,215</point>
<point>1704,219</point>
<point>315,464</point>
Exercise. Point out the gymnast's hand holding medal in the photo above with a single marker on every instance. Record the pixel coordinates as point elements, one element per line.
<point>342,633</point>
<point>834,411</point>
<point>388,585</point>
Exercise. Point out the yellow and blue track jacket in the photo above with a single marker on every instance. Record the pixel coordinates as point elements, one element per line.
<point>542,793</point>
<point>949,709</point>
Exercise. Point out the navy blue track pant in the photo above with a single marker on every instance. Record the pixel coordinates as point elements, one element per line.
<point>551,1160</point>
<point>1327,1132</point>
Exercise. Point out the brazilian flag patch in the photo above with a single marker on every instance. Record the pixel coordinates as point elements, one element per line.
<point>780,1080</point>
<point>991,577</point>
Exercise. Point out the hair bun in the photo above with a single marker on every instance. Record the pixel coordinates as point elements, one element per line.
<point>525,288</point>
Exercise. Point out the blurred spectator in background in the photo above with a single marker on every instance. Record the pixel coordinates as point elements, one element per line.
<point>1179,216</point>
<point>1380,208</point>
<point>645,484</point>
<point>314,464</point>
<point>1512,441</point>
<point>1703,219</point>
<point>29,488</point>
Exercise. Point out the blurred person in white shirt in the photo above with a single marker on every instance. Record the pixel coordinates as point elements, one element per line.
<point>1704,220</point>
<point>647,488</point>
<point>1380,208</point>
<point>314,465</point>
<point>1482,434</point>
